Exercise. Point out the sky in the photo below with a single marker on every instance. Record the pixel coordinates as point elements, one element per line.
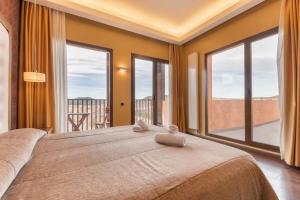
<point>228,70</point>
<point>144,78</point>
<point>87,72</point>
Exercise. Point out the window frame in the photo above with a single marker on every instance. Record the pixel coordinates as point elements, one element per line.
<point>247,89</point>
<point>154,92</point>
<point>109,70</point>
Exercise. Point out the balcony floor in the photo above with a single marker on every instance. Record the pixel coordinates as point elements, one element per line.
<point>267,133</point>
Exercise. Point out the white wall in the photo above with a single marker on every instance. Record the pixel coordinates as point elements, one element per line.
<point>4,79</point>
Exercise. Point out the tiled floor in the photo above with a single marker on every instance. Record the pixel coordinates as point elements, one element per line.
<point>284,179</point>
<point>268,133</point>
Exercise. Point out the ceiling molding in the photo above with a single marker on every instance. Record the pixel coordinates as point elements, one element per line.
<point>125,24</point>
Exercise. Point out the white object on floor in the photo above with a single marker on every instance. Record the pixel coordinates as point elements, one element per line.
<point>170,139</point>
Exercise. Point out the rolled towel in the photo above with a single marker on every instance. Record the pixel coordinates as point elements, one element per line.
<point>137,128</point>
<point>173,129</point>
<point>142,124</point>
<point>170,139</point>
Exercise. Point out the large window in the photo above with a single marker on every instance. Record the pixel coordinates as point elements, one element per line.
<point>150,86</point>
<point>88,69</point>
<point>265,102</point>
<point>226,94</point>
<point>242,92</point>
<point>4,79</point>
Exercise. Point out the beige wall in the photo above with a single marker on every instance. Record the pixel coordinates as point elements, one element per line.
<point>123,44</point>
<point>254,21</point>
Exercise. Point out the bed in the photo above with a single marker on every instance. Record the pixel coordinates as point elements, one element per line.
<point>117,163</point>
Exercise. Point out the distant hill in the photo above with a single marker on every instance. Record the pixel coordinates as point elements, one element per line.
<point>148,97</point>
<point>85,98</point>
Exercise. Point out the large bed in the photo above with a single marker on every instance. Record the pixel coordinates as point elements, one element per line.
<point>117,163</point>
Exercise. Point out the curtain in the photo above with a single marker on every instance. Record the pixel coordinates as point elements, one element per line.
<point>35,100</point>
<point>178,89</point>
<point>289,66</point>
<point>59,70</point>
<point>280,67</point>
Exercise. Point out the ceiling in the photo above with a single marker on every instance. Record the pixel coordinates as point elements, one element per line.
<point>175,21</point>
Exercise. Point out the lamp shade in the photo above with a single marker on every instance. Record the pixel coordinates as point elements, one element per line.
<point>34,77</point>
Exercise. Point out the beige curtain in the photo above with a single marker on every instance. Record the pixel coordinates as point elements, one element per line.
<point>35,100</point>
<point>291,81</point>
<point>179,88</point>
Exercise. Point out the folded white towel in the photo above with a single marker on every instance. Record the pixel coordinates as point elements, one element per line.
<point>137,128</point>
<point>173,129</point>
<point>142,124</point>
<point>170,139</point>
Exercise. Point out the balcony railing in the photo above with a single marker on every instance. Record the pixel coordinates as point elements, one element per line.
<point>144,110</point>
<point>94,109</point>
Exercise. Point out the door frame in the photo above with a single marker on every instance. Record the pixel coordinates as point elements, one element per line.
<point>154,86</point>
<point>247,89</point>
<point>109,70</point>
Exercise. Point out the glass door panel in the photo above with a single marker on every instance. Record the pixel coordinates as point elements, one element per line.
<point>88,87</point>
<point>143,87</point>
<point>162,94</point>
<point>265,102</point>
<point>226,93</point>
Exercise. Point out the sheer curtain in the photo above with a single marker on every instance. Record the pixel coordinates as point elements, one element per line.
<point>280,66</point>
<point>59,70</point>
<point>170,114</point>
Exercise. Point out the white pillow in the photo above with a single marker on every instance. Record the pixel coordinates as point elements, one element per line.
<point>16,147</point>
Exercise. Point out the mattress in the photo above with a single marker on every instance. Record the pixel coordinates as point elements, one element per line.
<point>117,163</point>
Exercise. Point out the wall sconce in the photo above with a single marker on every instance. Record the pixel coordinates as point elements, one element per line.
<point>122,69</point>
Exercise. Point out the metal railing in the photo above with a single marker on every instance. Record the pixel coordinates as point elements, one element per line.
<point>94,109</point>
<point>144,110</point>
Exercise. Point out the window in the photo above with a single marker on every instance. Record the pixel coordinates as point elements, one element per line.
<point>242,92</point>
<point>150,86</point>
<point>144,90</point>
<point>162,93</point>
<point>4,79</point>
<point>88,69</point>
<point>226,93</point>
<point>265,102</point>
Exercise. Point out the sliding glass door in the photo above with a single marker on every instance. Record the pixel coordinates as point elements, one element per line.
<point>226,93</point>
<point>150,90</point>
<point>89,75</point>
<point>265,102</point>
<point>143,89</point>
<point>242,92</point>
<point>162,93</point>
